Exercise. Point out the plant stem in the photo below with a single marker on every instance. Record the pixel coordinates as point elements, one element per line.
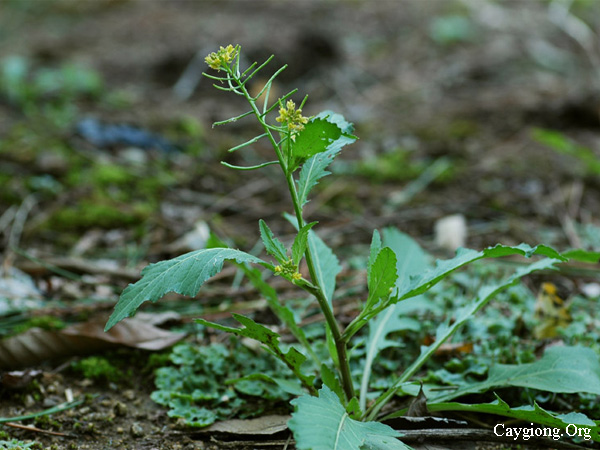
<point>340,344</point>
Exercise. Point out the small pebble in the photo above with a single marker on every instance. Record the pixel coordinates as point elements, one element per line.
<point>120,430</point>
<point>106,402</point>
<point>29,401</point>
<point>49,402</point>
<point>120,409</point>
<point>136,430</point>
<point>129,394</point>
<point>99,416</point>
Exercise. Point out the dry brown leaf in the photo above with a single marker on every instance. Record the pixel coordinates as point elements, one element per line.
<point>418,406</point>
<point>261,426</point>
<point>36,345</point>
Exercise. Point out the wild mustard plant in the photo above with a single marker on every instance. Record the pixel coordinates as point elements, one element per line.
<point>332,415</point>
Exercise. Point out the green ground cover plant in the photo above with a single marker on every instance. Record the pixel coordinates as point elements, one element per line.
<point>335,408</point>
<point>193,388</point>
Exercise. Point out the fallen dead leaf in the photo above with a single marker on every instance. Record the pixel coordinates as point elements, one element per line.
<point>36,345</point>
<point>261,426</point>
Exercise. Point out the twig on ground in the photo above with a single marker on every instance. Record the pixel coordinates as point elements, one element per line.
<point>35,429</point>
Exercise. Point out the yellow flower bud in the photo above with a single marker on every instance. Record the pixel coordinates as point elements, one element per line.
<point>219,60</point>
<point>293,118</point>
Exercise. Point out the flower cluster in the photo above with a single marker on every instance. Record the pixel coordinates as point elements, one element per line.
<point>292,117</point>
<point>289,270</point>
<point>221,59</point>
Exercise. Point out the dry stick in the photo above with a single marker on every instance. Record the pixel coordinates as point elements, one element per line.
<point>19,221</point>
<point>34,429</point>
<point>14,235</point>
<point>7,217</point>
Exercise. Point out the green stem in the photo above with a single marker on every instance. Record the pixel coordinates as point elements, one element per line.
<point>340,344</point>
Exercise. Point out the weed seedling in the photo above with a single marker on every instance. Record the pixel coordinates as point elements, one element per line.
<point>336,410</point>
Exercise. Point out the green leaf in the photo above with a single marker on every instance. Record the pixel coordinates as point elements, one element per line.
<point>335,118</point>
<point>412,260</point>
<point>420,284</point>
<point>377,442</point>
<point>292,358</point>
<point>446,329</point>
<point>562,370</point>
<point>562,144</point>
<point>322,423</point>
<point>587,256</point>
<point>284,314</point>
<point>326,267</point>
<point>485,294</point>
<point>374,251</point>
<point>331,380</point>
<point>382,276</point>
<point>184,275</point>
<point>326,131</point>
<point>290,386</point>
<point>527,413</point>
<point>312,171</point>
<point>273,245</point>
<point>300,243</point>
<point>194,416</point>
<point>326,264</point>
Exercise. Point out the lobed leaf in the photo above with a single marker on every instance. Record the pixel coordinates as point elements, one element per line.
<point>273,246</point>
<point>566,370</point>
<point>284,313</point>
<point>382,276</point>
<point>412,259</point>
<point>326,264</point>
<point>322,423</point>
<point>485,294</point>
<point>326,131</point>
<point>312,171</point>
<point>446,329</point>
<point>420,284</point>
<point>374,251</point>
<point>184,275</point>
<point>292,358</point>
<point>290,386</point>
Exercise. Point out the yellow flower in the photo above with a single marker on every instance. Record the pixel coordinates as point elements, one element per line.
<point>289,270</point>
<point>292,116</point>
<point>218,60</point>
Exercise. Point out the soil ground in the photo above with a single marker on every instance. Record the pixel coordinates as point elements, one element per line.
<point>469,97</point>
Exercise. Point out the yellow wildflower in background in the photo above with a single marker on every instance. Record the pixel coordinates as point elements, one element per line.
<point>218,60</point>
<point>292,116</point>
